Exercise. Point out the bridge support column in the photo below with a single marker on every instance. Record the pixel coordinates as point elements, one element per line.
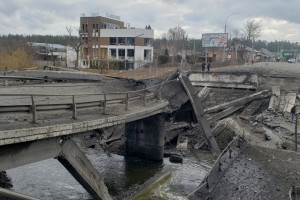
<point>145,137</point>
<point>75,161</point>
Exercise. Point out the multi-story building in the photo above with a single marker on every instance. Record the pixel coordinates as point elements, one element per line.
<point>107,40</point>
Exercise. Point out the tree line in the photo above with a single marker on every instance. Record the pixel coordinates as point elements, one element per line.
<point>18,40</point>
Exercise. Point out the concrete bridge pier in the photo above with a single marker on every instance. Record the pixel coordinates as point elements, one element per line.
<point>145,138</point>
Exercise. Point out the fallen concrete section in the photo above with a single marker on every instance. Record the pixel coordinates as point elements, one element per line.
<point>204,93</point>
<point>275,98</point>
<point>289,102</point>
<point>224,113</point>
<point>224,161</point>
<point>82,170</point>
<point>199,112</point>
<point>240,101</point>
<point>68,154</point>
<point>8,194</point>
<point>22,153</point>
<point>224,80</point>
<point>251,109</point>
<point>153,183</point>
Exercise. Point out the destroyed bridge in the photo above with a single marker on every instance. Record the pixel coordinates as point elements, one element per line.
<point>43,124</point>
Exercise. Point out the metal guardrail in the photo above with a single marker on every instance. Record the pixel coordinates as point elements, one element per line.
<point>125,98</point>
<point>221,165</point>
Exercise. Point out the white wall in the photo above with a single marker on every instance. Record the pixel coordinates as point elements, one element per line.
<point>71,57</point>
<point>147,33</point>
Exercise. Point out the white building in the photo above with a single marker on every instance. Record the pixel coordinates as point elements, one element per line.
<point>107,40</point>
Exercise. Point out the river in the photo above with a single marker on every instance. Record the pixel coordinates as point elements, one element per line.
<point>48,179</point>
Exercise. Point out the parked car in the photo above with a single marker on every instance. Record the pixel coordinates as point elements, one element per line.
<point>291,60</point>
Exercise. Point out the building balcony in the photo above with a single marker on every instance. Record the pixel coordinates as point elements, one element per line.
<point>83,32</point>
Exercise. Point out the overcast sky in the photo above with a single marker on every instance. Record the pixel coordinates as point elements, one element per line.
<point>280,18</point>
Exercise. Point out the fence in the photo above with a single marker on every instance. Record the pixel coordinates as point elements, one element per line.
<point>221,165</point>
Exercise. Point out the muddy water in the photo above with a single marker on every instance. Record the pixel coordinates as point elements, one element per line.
<point>48,179</point>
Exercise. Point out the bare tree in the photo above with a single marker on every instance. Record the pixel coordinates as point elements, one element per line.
<point>252,29</point>
<point>75,42</point>
<point>176,38</point>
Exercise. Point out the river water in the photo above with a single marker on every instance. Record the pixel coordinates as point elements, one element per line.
<point>48,179</point>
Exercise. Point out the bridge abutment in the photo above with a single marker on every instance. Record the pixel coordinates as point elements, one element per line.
<point>145,138</point>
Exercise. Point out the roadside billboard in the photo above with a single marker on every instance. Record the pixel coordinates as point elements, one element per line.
<point>214,39</point>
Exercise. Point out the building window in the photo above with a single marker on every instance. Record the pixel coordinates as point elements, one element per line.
<point>130,41</point>
<point>112,41</point>
<point>110,26</point>
<point>130,53</point>
<point>93,26</point>
<point>121,41</point>
<point>121,53</point>
<point>147,54</point>
<point>113,53</point>
<point>147,41</point>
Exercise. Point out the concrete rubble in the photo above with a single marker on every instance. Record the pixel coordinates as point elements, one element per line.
<point>261,118</point>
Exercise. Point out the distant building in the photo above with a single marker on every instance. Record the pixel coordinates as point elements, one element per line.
<point>107,40</point>
<point>53,54</point>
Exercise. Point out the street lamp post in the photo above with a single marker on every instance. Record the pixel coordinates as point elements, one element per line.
<point>225,30</point>
<point>227,19</point>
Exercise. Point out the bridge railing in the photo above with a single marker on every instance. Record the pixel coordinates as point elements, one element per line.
<point>102,100</point>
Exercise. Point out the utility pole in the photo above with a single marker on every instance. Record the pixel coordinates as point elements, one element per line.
<point>225,32</point>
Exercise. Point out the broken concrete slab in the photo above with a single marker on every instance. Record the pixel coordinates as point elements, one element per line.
<point>224,80</point>
<point>176,159</point>
<point>274,102</point>
<point>276,90</point>
<point>290,101</point>
<point>239,102</point>
<point>182,143</point>
<point>199,112</point>
<point>175,129</point>
<point>251,109</point>
<point>76,162</point>
<point>204,93</point>
<point>224,113</point>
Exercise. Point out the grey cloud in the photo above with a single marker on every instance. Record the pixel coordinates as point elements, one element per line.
<point>197,15</point>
